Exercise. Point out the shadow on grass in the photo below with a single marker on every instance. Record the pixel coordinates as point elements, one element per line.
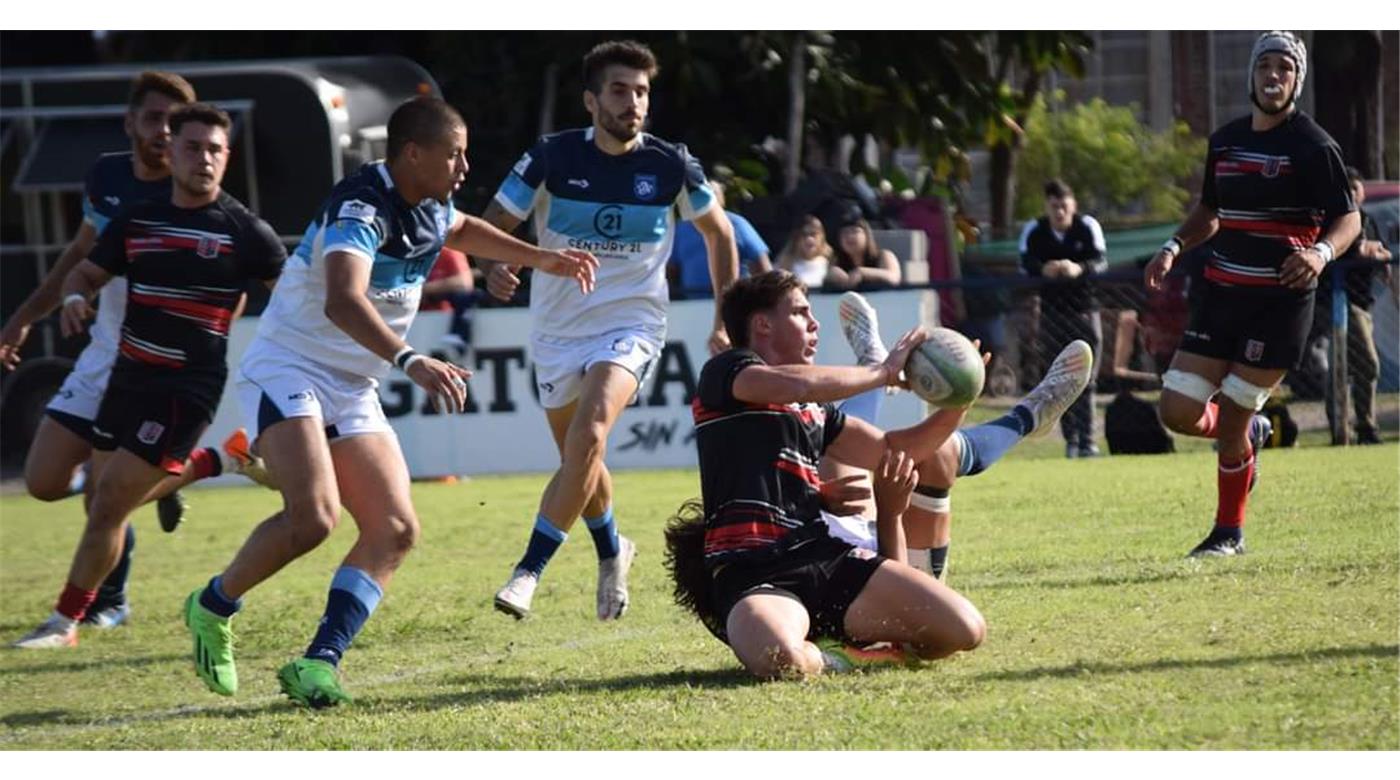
<point>496,689</point>
<point>1169,664</point>
<point>92,663</point>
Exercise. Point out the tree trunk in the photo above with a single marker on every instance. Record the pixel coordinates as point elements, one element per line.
<point>1347,86</point>
<point>797,110</point>
<point>1003,179</point>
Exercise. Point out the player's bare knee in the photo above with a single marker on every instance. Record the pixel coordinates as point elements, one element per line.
<point>312,523</point>
<point>46,487</point>
<point>587,443</point>
<point>401,534</point>
<point>781,660</point>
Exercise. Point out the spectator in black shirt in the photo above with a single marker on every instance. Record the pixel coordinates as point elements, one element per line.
<point>1067,249</point>
<point>1366,259</point>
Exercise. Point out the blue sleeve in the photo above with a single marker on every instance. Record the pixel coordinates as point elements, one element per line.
<point>90,213</point>
<point>695,197</point>
<point>355,224</point>
<point>749,242</point>
<point>517,192</point>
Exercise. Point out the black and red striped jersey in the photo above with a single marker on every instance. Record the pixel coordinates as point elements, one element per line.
<point>1275,192</point>
<point>185,270</point>
<point>758,465</point>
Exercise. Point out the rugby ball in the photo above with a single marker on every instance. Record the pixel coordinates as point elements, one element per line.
<point>946,370</point>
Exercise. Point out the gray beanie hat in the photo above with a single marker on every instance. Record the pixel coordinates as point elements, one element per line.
<point>1287,44</point>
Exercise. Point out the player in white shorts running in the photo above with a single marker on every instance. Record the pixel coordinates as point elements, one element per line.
<point>308,386</point>
<point>615,191</point>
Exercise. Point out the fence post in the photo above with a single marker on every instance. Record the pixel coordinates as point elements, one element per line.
<point>1337,396</point>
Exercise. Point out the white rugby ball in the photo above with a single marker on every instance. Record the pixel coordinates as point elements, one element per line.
<point>946,370</point>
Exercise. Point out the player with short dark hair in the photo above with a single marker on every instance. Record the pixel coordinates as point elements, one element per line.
<point>764,418</point>
<point>308,386</point>
<point>186,259</point>
<point>62,443</point>
<point>1276,203</point>
<point>618,192</point>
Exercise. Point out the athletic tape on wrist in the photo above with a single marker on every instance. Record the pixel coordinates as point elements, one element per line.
<point>74,297</point>
<point>1173,245</point>
<point>405,358</point>
<point>1325,249</point>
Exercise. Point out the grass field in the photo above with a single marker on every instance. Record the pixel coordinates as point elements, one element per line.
<point>1101,635</point>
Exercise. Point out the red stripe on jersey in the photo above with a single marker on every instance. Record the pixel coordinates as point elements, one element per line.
<point>1305,233</point>
<point>808,475</point>
<point>145,356</point>
<point>216,317</point>
<point>151,243</point>
<point>738,536</point>
<point>1215,274</point>
<point>1228,167</point>
<point>703,414</point>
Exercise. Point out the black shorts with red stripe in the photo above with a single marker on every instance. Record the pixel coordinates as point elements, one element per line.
<point>1260,327</point>
<point>161,427</point>
<point>824,575</point>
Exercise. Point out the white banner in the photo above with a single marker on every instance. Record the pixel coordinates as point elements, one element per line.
<point>503,429</point>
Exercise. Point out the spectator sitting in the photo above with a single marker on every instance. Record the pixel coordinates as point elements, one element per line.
<point>860,262</point>
<point>692,260</point>
<point>806,254</point>
<point>451,287</point>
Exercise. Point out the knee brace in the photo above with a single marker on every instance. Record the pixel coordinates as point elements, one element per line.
<point>1193,386</point>
<point>931,499</point>
<point>1245,394</point>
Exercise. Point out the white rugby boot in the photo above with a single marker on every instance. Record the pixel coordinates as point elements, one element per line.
<point>861,327</point>
<point>56,631</point>
<point>515,596</point>
<point>1067,377</point>
<point>612,580</point>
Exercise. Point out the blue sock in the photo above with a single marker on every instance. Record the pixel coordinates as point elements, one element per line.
<point>604,532</point>
<point>112,591</point>
<point>353,597</point>
<point>544,541</point>
<point>865,406</point>
<point>213,599</point>
<point>983,445</point>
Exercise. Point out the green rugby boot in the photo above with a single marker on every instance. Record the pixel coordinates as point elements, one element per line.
<point>313,683</point>
<point>213,646</point>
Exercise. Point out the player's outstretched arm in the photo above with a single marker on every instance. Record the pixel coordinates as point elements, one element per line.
<point>501,279</point>
<point>718,235</point>
<point>1200,225</point>
<point>476,236</point>
<point>347,305</point>
<point>786,384</point>
<point>45,298</point>
<point>81,284</point>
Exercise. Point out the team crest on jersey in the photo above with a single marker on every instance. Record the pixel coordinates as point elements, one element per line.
<point>644,186</point>
<point>149,432</point>
<point>356,209</point>
<point>1272,165</point>
<point>207,248</point>
<point>1253,350</point>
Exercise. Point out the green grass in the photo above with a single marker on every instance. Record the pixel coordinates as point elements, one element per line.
<point>1101,634</point>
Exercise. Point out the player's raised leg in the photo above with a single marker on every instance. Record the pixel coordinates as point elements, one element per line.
<point>375,490</point>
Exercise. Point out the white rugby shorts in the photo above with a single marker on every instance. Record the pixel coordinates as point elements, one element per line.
<point>82,391</point>
<point>560,363</point>
<point>274,383</point>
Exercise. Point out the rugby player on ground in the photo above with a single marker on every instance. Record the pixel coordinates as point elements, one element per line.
<point>616,191</point>
<point>308,387</point>
<point>186,259</point>
<point>1276,201</point>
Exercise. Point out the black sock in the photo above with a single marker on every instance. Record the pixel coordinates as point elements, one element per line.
<point>938,560</point>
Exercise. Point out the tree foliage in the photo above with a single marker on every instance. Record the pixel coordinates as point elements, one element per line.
<point>1120,169</point>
